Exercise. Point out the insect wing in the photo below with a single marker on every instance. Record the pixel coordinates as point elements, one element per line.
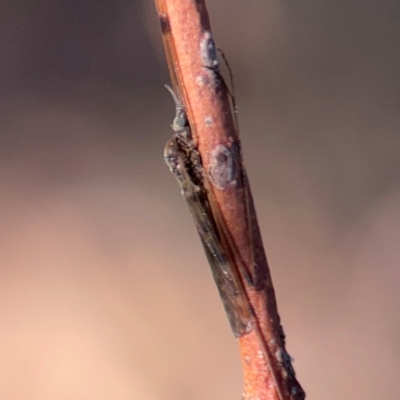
<point>226,277</point>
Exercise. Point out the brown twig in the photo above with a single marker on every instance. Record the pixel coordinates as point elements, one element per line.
<point>193,65</point>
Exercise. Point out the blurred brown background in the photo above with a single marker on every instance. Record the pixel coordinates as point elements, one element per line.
<point>105,291</point>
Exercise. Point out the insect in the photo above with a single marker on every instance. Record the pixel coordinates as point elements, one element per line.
<point>184,162</point>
